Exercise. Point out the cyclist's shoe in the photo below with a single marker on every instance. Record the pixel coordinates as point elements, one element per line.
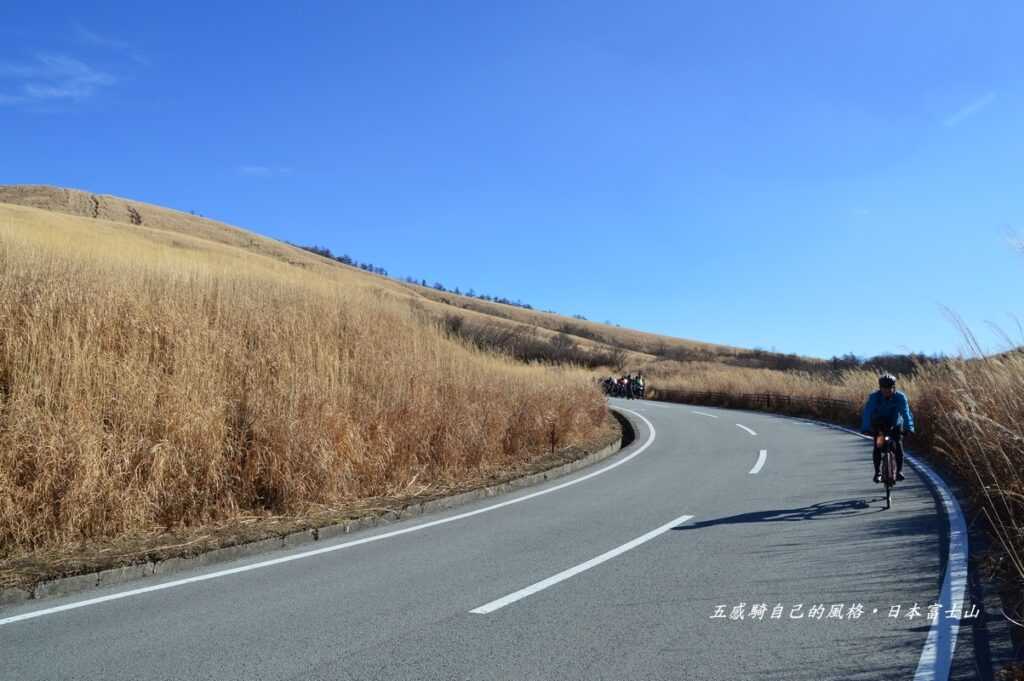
<point>899,476</point>
<point>878,477</point>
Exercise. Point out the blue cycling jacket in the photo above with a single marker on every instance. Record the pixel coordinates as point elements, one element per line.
<point>894,411</point>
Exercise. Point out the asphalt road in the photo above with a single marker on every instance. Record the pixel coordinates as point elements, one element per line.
<point>616,572</point>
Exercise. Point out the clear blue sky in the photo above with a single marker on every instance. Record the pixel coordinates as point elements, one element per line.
<point>811,177</point>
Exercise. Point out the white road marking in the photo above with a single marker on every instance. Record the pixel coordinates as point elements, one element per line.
<point>639,402</point>
<point>571,572</point>
<point>761,458</point>
<point>937,654</point>
<point>740,425</point>
<point>328,549</point>
<point>703,413</point>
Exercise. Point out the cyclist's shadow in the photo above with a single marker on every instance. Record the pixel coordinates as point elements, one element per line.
<point>821,511</point>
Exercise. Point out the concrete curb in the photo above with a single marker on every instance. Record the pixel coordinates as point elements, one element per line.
<point>64,586</point>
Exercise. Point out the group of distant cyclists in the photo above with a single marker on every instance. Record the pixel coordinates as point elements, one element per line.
<point>630,386</point>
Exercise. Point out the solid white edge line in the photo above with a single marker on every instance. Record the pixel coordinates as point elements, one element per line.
<point>761,458</point>
<point>937,653</point>
<point>571,572</point>
<point>703,413</point>
<point>740,425</point>
<point>328,549</point>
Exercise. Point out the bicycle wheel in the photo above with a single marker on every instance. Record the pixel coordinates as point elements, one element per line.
<point>889,475</point>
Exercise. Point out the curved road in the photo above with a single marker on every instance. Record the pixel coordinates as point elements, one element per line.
<point>634,569</point>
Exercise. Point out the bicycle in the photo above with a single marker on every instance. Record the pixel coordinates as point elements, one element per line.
<point>886,444</point>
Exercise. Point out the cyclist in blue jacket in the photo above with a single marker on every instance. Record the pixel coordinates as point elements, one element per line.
<point>889,409</point>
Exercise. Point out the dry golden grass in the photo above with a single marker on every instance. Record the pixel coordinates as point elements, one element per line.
<point>643,344</point>
<point>150,378</point>
<point>713,377</point>
<point>590,336</point>
<point>975,420</point>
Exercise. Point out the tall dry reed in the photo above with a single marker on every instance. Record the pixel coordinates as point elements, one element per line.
<point>146,384</point>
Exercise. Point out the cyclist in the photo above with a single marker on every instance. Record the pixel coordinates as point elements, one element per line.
<point>889,409</point>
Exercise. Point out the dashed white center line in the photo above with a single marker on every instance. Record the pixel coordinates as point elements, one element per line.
<point>703,413</point>
<point>566,574</point>
<point>740,425</point>
<point>761,458</point>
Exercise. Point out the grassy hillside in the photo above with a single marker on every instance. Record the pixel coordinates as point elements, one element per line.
<point>164,371</point>
<point>527,334</point>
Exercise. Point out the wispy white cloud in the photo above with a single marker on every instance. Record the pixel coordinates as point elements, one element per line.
<point>91,38</point>
<point>973,108</point>
<point>51,77</point>
<point>264,171</point>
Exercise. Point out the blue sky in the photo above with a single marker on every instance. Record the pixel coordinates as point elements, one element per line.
<point>817,178</point>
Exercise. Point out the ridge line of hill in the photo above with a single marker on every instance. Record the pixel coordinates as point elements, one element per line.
<point>523,332</point>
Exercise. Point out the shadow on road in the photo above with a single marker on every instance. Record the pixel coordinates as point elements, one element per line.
<point>819,511</point>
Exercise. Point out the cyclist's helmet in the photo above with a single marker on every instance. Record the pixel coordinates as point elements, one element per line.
<point>886,381</point>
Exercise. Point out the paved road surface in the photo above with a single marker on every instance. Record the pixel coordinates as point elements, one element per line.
<point>616,572</point>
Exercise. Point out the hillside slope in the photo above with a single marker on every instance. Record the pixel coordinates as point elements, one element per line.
<point>474,317</point>
<point>153,380</point>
